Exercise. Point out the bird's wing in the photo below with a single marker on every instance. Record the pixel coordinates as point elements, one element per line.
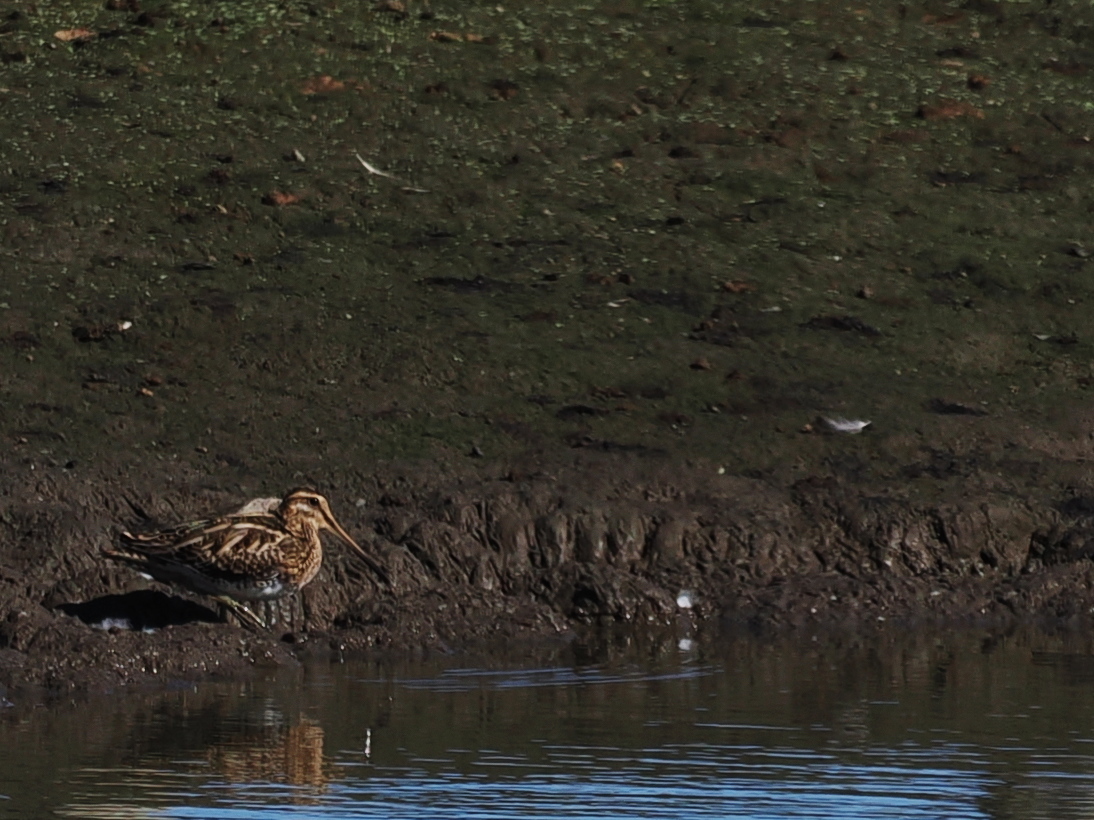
<point>168,540</point>
<point>230,547</point>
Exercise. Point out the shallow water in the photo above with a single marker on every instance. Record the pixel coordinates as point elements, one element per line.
<point>883,726</point>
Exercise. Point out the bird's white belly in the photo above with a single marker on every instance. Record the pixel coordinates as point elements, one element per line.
<point>266,590</point>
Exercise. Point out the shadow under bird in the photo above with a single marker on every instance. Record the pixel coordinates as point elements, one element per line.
<point>249,556</point>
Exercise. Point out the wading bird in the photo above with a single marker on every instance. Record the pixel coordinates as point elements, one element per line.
<point>251,555</point>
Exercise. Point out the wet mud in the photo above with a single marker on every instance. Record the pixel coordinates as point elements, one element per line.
<point>575,314</point>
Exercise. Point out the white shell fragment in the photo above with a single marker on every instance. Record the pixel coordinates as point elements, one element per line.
<point>839,424</point>
<point>685,599</point>
<point>372,169</point>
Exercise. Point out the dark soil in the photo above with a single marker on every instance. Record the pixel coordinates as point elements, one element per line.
<point>501,555</point>
<point>579,352</point>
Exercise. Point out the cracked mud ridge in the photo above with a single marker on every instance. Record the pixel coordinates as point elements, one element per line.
<point>496,556</point>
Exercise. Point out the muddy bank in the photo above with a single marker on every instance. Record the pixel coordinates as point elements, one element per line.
<point>564,357</point>
<point>546,552</point>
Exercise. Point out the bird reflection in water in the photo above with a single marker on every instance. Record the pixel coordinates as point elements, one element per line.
<point>292,755</point>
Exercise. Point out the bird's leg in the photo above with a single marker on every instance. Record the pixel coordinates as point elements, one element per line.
<point>298,608</point>
<point>245,616</point>
<point>281,612</point>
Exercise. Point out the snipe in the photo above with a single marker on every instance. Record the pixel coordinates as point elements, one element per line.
<point>249,556</point>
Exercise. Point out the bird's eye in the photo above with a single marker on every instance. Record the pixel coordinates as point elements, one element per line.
<point>314,502</point>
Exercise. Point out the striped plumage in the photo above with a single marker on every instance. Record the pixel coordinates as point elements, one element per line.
<point>248,556</point>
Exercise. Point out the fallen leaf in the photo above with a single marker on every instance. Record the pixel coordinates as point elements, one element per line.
<point>446,36</point>
<point>738,287</point>
<point>503,89</point>
<point>598,279</point>
<point>69,35</point>
<point>1067,69</point>
<point>948,110</point>
<point>322,85</point>
<point>280,198</point>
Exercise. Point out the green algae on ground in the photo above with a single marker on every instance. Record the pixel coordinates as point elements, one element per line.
<point>596,174</point>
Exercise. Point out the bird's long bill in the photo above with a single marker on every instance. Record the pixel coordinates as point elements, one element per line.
<point>336,528</point>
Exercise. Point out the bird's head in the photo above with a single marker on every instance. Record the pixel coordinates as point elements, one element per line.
<point>307,507</point>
